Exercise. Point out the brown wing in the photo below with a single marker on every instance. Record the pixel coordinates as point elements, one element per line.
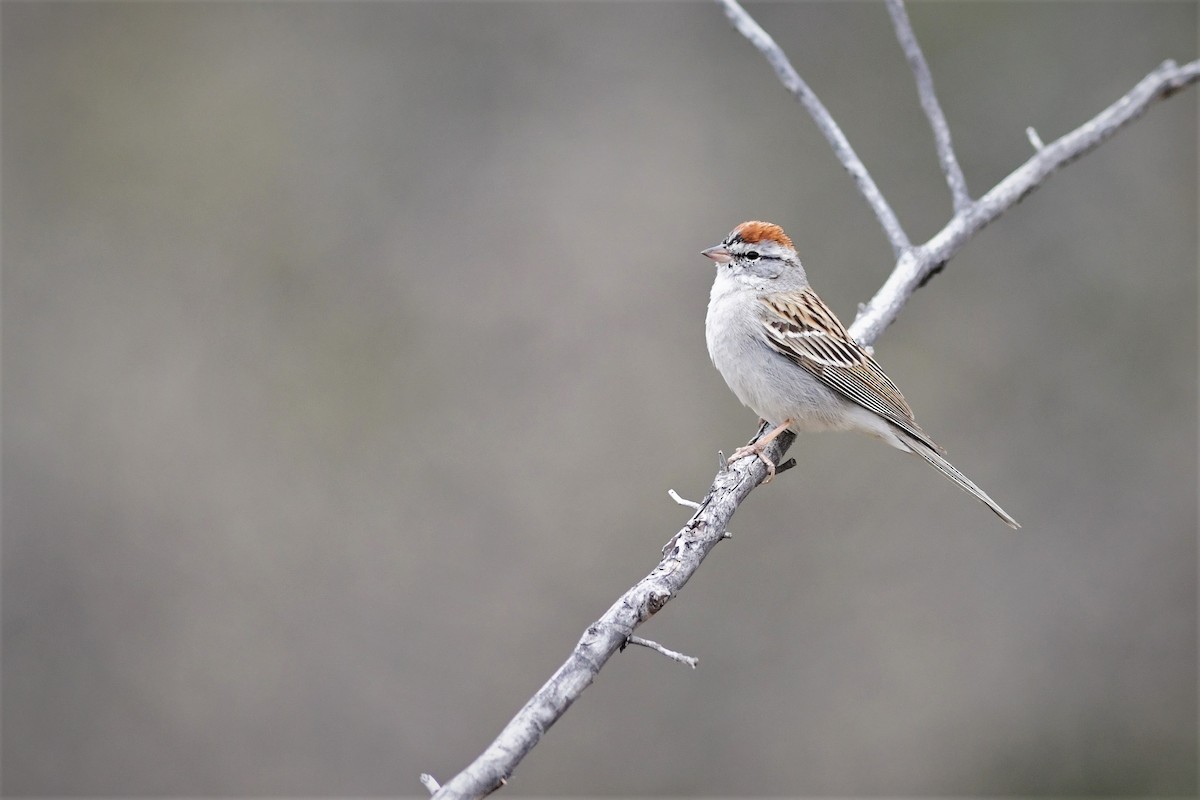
<point>802,329</point>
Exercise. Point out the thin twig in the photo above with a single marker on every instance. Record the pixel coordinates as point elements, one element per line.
<point>933,109</point>
<point>812,104</point>
<point>690,661</point>
<point>692,504</point>
<point>1035,140</point>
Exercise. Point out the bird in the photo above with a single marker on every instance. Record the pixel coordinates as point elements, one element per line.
<point>789,359</point>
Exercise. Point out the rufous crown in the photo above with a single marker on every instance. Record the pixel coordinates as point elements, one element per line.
<point>754,232</point>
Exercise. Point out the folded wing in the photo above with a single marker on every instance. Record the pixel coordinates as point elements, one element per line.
<point>803,329</point>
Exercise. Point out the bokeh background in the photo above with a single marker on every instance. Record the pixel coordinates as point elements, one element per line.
<point>349,351</point>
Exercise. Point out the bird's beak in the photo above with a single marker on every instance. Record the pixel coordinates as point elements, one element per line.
<point>718,254</point>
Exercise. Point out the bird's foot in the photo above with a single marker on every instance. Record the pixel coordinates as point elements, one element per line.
<point>755,450</point>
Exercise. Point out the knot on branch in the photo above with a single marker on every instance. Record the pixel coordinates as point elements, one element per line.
<point>934,270</point>
<point>656,600</point>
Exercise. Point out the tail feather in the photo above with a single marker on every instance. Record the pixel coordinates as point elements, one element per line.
<point>943,466</point>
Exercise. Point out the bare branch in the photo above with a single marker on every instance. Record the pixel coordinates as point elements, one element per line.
<point>933,109</point>
<point>690,661</point>
<point>792,81</point>
<point>734,481</point>
<point>918,264</point>
<point>430,783</point>
<point>613,630</point>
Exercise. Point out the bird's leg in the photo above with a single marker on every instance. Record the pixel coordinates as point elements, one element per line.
<point>756,448</point>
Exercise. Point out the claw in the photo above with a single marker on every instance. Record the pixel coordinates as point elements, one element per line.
<point>756,449</point>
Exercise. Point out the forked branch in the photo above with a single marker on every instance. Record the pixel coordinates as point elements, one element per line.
<point>734,482</point>
<point>917,265</point>
<point>792,81</point>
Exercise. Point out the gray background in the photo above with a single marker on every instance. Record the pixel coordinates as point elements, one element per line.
<point>349,351</point>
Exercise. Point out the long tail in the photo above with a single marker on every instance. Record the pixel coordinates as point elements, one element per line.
<point>946,468</point>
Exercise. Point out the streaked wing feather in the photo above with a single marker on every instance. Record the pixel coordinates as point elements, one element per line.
<point>803,329</point>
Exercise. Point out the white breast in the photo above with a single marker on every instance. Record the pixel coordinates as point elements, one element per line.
<point>765,381</point>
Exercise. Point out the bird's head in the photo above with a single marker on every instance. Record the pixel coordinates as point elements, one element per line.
<point>757,251</point>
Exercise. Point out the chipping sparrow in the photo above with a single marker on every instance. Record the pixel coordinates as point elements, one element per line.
<point>786,356</point>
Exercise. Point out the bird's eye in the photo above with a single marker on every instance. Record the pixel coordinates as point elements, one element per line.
<point>752,255</point>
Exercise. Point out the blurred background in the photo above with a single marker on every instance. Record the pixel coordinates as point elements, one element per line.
<point>349,351</point>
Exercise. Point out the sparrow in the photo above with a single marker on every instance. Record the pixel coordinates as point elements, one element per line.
<point>788,358</point>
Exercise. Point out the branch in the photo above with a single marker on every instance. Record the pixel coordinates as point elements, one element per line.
<point>918,265</point>
<point>933,109</point>
<point>734,482</point>
<point>841,146</point>
<point>613,630</point>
